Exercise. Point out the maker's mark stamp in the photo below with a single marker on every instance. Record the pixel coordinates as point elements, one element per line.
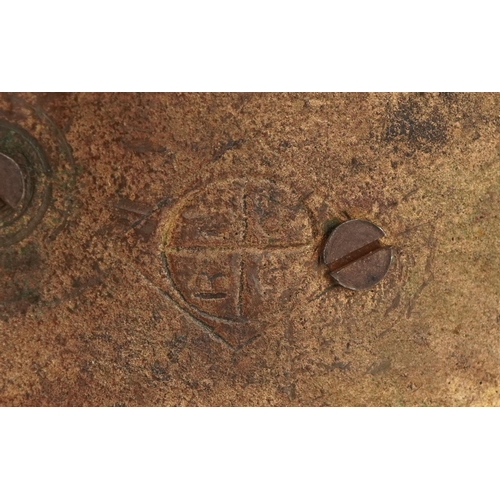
<point>229,253</point>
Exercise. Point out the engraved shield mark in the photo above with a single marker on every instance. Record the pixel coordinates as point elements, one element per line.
<point>228,255</point>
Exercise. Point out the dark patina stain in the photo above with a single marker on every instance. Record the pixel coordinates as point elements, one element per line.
<point>418,124</point>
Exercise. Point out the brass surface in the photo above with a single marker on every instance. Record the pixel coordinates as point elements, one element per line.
<point>168,249</point>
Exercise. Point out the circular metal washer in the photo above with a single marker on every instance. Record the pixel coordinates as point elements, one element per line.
<point>37,144</point>
<point>17,144</point>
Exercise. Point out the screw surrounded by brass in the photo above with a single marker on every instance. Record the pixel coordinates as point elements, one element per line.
<point>12,184</point>
<point>354,255</point>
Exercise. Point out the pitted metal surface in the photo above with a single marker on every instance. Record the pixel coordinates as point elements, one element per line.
<point>180,249</point>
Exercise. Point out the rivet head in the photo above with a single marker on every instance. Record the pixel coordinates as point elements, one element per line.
<point>354,255</point>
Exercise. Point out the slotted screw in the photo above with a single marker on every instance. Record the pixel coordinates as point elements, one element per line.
<point>354,255</point>
<point>12,185</point>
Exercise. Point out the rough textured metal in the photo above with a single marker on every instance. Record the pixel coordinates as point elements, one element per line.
<point>354,255</point>
<point>169,250</point>
<point>12,187</point>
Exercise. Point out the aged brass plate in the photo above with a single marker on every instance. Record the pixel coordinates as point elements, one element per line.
<point>168,249</point>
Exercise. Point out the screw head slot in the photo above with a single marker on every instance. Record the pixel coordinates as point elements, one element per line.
<point>354,255</point>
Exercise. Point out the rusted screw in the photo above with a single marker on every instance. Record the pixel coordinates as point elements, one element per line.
<point>354,255</point>
<point>12,186</point>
